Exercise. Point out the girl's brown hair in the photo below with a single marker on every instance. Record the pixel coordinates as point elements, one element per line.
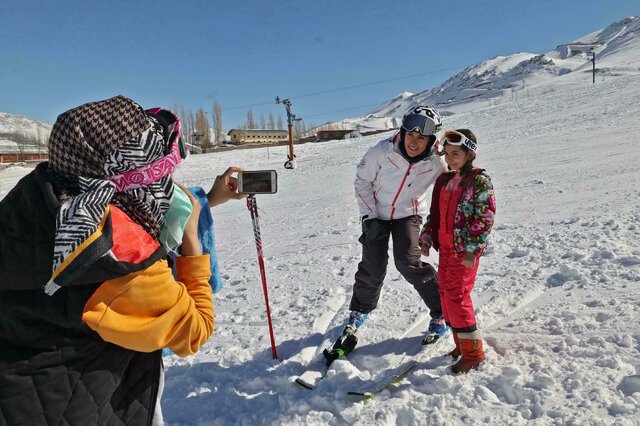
<point>469,164</point>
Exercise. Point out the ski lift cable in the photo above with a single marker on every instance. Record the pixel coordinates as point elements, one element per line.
<point>371,83</point>
<point>354,86</point>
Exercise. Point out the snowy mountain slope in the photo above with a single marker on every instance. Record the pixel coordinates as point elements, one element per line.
<point>624,29</point>
<point>617,48</point>
<point>484,79</point>
<point>509,78</point>
<point>390,108</point>
<point>10,123</point>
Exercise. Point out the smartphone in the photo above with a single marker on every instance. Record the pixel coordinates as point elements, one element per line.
<point>258,182</point>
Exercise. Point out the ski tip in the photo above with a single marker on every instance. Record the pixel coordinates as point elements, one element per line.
<point>304,384</point>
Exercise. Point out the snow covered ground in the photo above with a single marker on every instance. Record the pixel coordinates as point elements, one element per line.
<point>558,297</point>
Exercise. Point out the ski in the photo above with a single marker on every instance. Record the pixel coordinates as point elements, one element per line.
<point>395,374</point>
<point>388,378</point>
<point>320,364</point>
<point>317,368</point>
<point>315,372</point>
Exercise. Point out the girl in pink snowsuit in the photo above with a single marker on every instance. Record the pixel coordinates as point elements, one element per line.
<point>460,220</point>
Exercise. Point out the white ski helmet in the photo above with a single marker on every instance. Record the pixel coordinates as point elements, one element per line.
<point>422,119</point>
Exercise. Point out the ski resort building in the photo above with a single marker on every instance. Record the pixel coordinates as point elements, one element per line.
<point>12,152</point>
<point>328,135</point>
<point>256,136</point>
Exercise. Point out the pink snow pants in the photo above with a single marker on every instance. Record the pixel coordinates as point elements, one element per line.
<point>455,281</point>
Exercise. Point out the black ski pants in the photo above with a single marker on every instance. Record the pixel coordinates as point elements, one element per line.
<point>406,255</point>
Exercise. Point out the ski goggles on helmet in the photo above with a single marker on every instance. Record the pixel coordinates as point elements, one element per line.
<point>452,137</point>
<point>162,167</point>
<point>420,123</point>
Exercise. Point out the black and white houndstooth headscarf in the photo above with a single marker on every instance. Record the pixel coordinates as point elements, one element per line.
<point>88,144</point>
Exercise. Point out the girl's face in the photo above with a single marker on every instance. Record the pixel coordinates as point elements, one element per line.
<point>415,143</point>
<point>456,156</point>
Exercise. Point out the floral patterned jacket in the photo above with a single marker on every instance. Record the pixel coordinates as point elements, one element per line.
<point>473,218</point>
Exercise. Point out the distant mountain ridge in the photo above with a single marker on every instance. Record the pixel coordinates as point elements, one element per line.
<point>23,125</point>
<point>617,49</point>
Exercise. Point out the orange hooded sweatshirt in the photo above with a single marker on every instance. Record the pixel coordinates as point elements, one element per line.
<point>150,309</point>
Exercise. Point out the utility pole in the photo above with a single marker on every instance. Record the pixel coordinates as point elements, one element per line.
<point>291,162</point>
<point>593,60</point>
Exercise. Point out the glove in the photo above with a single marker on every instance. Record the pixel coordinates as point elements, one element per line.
<point>425,238</point>
<point>374,230</point>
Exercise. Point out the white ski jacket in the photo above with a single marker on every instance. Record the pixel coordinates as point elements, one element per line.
<point>389,187</point>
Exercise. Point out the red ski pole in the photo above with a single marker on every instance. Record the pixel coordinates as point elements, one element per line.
<point>252,205</point>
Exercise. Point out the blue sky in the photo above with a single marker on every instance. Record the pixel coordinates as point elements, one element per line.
<point>55,55</point>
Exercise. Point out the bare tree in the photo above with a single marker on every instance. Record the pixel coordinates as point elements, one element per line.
<point>272,123</point>
<point>24,143</point>
<point>192,125</point>
<point>263,121</point>
<point>41,137</point>
<point>280,122</point>
<point>202,129</point>
<point>185,119</point>
<point>217,122</point>
<point>251,122</point>
<point>297,129</point>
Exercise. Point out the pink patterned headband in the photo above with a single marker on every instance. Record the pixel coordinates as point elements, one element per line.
<point>158,169</point>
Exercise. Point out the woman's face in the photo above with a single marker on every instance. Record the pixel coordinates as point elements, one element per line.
<point>456,156</point>
<point>415,143</point>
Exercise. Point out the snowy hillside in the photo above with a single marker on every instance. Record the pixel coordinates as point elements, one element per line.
<point>509,78</point>
<point>386,117</point>
<point>558,297</point>
<point>486,78</point>
<point>390,108</point>
<point>618,47</point>
<point>23,125</point>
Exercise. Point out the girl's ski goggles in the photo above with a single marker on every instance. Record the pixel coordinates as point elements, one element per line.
<point>160,168</point>
<point>420,123</point>
<point>451,137</point>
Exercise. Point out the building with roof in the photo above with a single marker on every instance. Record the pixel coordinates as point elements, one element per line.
<point>257,136</point>
<point>327,135</point>
<point>12,152</point>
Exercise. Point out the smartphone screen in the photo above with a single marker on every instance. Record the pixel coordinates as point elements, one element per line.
<point>258,182</point>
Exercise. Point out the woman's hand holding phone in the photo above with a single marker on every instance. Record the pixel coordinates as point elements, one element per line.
<point>225,188</point>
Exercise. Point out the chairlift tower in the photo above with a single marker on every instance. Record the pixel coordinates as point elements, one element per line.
<point>593,60</point>
<point>291,162</point>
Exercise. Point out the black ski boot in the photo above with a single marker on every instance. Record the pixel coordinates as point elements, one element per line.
<point>342,347</point>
